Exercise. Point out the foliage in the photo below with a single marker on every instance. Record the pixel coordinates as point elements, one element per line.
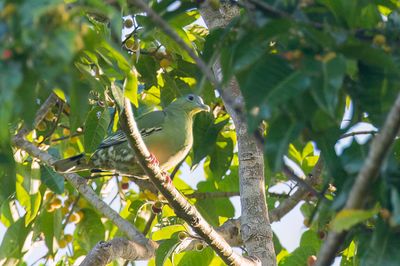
<point>300,68</point>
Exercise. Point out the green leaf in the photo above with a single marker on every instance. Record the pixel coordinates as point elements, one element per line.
<point>96,126</point>
<point>13,241</point>
<point>113,57</point>
<point>309,245</point>
<point>347,218</point>
<point>272,81</point>
<point>327,85</point>
<point>205,134</point>
<point>167,232</point>
<point>253,45</point>
<point>23,196</point>
<point>195,258</point>
<point>380,248</point>
<point>5,214</point>
<point>131,87</point>
<point>368,55</point>
<point>165,250</point>
<point>31,213</point>
<point>294,154</point>
<point>52,179</point>
<point>212,209</point>
<point>90,230</point>
<point>221,157</point>
<point>282,131</point>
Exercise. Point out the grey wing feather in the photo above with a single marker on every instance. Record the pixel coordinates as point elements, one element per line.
<point>147,126</point>
<point>115,139</point>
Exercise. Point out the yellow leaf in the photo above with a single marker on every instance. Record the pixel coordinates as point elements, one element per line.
<point>347,218</point>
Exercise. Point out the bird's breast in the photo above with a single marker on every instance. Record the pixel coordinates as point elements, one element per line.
<point>170,147</point>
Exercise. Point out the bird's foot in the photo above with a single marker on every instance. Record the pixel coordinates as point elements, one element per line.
<point>167,177</point>
<point>153,160</point>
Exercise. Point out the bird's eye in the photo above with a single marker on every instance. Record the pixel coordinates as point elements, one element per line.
<point>190,98</point>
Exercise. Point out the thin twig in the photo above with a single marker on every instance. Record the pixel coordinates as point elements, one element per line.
<point>148,224</point>
<point>355,133</point>
<point>51,101</point>
<point>67,137</point>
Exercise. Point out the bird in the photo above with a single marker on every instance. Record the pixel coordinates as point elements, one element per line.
<point>167,134</point>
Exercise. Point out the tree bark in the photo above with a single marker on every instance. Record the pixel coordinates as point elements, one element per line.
<point>255,225</point>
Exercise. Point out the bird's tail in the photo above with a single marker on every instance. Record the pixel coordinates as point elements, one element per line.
<point>72,164</point>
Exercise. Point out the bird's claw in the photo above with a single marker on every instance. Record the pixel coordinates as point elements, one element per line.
<point>153,160</point>
<point>167,177</point>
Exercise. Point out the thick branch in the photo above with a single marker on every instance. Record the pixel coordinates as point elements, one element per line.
<point>105,252</point>
<point>176,200</point>
<point>255,225</point>
<point>380,147</point>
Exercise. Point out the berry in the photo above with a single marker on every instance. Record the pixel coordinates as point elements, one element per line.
<point>128,23</point>
<point>311,260</point>
<point>62,243</point>
<point>125,186</point>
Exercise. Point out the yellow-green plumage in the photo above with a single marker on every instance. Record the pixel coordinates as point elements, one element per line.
<point>167,134</point>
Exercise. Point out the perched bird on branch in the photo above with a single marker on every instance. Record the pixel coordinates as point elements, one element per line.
<point>167,134</point>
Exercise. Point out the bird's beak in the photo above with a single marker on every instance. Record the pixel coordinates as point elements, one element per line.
<point>205,107</point>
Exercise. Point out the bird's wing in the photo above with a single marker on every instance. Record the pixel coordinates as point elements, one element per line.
<point>147,124</point>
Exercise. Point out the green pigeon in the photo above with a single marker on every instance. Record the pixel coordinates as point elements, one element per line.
<point>167,134</point>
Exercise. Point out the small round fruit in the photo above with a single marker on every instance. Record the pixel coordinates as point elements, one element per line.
<point>379,39</point>
<point>128,23</point>
<point>130,44</point>
<point>182,235</point>
<point>68,238</point>
<point>74,218</point>
<point>48,195</point>
<point>125,186</point>
<point>41,126</point>
<point>56,203</point>
<point>311,260</point>
<point>81,215</point>
<point>50,208</point>
<point>66,131</point>
<point>49,116</point>
<point>306,222</point>
<point>62,243</point>
<point>199,246</point>
<point>155,210</point>
<point>164,63</point>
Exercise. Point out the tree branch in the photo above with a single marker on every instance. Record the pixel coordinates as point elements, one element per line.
<point>105,252</point>
<point>176,200</point>
<point>255,225</point>
<point>355,133</point>
<point>301,193</point>
<point>377,154</point>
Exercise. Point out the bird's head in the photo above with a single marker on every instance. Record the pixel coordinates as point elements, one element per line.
<point>191,103</point>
